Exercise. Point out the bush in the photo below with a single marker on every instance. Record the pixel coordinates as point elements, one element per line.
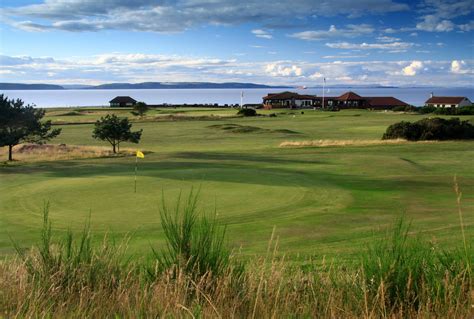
<point>247,112</point>
<point>464,110</point>
<point>431,129</point>
<point>426,109</point>
<point>404,108</point>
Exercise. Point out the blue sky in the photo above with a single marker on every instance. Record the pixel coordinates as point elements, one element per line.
<point>299,42</point>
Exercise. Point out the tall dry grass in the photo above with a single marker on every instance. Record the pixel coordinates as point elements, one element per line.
<point>327,143</point>
<point>53,152</point>
<point>397,276</point>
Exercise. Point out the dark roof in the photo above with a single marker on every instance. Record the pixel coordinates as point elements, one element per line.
<point>446,99</point>
<point>288,96</point>
<point>122,99</point>
<point>350,96</point>
<point>381,101</point>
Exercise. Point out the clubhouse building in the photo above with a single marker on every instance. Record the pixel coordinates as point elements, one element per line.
<point>348,100</point>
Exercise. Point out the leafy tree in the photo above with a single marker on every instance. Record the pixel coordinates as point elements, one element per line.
<point>140,109</point>
<point>21,123</point>
<point>115,130</point>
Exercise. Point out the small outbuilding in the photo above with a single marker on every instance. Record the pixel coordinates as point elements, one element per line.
<point>448,101</point>
<point>122,101</point>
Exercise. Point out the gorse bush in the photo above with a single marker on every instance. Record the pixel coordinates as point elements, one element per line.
<point>195,242</point>
<point>247,112</point>
<point>463,110</point>
<point>431,129</point>
<point>405,108</point>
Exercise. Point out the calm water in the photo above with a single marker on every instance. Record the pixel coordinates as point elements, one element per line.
<point>69,98</point>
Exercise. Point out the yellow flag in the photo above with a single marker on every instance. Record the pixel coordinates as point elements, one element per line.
<point>140,154</point>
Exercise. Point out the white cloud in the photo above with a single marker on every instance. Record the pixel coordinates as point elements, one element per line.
<point>176,16</point>
<point>369,46</point>
<point>387,39</point>
<point>413,68</point>
<point>277,69</point>
<point>259,33</point>
<point>115,67</point>
<point>467,27</point>
<point>433,23</point>
<point>438,15</point>
<point>351,30</point>
<point>344,56</point>
<point>460,67</point>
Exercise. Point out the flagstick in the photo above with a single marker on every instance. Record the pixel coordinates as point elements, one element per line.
<point>136,167</point>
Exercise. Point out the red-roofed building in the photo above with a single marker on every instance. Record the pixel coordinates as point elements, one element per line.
<point>448,101</point>
<point>348,100</point>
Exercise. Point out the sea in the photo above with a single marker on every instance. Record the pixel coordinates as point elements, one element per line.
<point>75,98</point>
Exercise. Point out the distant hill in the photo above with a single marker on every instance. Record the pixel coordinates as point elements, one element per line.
<point>136,86</point>
<point>181,85</point>
<point>165,85</point>
<point>20,86</point>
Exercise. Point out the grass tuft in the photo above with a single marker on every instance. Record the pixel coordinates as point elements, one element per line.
<point>195,242</point>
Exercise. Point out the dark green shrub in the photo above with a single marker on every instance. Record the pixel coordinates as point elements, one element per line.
<point>247,112</point>
<point>445,111</point>
<point>404,108</point>
<point>466,110</point>
<point>426,109</point>
<point>431,129</point>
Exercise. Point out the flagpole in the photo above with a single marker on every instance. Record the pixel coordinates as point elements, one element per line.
<point>324,83</point>
<point>136,167</point>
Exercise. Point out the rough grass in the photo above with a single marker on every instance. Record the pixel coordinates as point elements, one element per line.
<point>326,143</point>
<point>54,152</point>
<point>400,276</point>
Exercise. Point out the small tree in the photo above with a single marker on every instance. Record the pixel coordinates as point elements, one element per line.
<point>115,130</point>
<point>22,123</point>
<point>140,109</point>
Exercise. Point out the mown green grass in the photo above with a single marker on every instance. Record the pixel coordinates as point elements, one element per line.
<point>322,201</point>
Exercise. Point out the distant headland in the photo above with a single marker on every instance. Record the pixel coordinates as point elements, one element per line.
<point>167,85</point>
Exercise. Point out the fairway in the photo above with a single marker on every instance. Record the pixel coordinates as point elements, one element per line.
<point>322,201</point>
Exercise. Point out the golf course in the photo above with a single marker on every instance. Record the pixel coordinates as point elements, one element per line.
<point>323,201</point>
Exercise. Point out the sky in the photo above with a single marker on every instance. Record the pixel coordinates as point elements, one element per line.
<point>298,42</point>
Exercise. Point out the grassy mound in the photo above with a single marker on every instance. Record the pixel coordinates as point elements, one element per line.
<point>237,128</point>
